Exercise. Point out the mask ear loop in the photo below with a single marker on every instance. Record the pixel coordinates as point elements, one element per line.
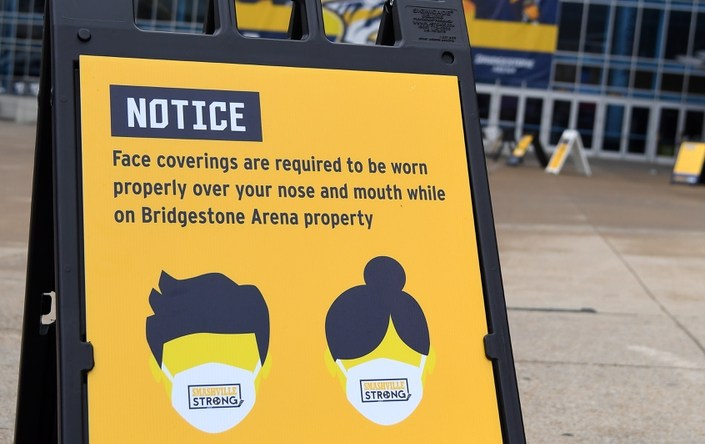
<point>423,363</point>
<point>166,372</point>
<point>258,367</point>
<point>340,364</point>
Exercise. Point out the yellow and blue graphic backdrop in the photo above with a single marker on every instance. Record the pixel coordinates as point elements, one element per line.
<point>513,40</point>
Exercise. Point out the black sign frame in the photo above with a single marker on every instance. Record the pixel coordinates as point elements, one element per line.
<point>55,358</point>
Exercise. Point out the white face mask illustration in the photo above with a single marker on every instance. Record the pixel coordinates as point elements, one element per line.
<point>213,397</point>
<point>385,391</point>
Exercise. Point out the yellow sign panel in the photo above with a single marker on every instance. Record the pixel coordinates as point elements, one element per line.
<point>512,36</point>
<point>690,162</point>
<point>268,261</point>
<point>522,146</point>
<point>558,157</point>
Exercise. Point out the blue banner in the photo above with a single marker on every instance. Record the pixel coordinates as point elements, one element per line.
<point>513,40</point>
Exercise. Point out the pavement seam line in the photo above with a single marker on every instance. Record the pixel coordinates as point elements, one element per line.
<point>636,276</point>
<point>607,364</point>
<point>651,295</point>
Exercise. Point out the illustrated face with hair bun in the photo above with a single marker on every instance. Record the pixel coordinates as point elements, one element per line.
<point>379,343</point>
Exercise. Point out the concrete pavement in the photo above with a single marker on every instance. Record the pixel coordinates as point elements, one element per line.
<point>604,279</point>
<point>16,160</point>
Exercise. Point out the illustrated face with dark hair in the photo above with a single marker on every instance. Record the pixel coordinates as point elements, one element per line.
<point>379,342</point>
<point>209,338</point>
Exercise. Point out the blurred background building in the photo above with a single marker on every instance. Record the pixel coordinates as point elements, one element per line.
<point>628,74</point>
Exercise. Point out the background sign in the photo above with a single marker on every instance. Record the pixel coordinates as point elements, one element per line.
<point>348,21</point>
<point>689,163</point>
<point>570,144</point>
<point>224,274</point>
<point>513,40</point>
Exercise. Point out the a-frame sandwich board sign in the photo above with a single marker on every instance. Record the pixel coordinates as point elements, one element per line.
<point>520,149</point>
<point>690,164</point>
<point>570,144</point>
<point>262,240</point>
